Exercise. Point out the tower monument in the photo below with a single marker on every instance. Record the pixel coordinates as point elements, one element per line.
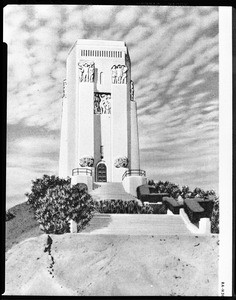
<point>99,130</point>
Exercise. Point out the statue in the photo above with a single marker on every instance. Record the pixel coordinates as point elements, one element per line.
<point>86,161</point>
<point>119,74</point>
<point>86,72</point>
<point>81,71</point>
<point>91,72</point>
<point>113,74</point>
<point>124,74</point>
<point>121,162</point>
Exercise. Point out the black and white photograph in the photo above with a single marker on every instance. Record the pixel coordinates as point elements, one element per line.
<point>118,155</point>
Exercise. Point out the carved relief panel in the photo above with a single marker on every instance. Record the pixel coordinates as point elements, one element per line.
<point>86,71</point>
<point>119,74</point>
<point>102,103</point>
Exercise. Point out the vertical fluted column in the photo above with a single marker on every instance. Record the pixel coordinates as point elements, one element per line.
<point>135,162</point>
<point>85,111</point>
<point>63,157</point>
<point>119,119</point>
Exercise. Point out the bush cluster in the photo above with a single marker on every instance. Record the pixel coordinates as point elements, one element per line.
<point>174,191</point>
<point>122,207</point>
<point>55,202</point>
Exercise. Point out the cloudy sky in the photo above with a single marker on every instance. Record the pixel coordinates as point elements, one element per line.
<point>174,55</point>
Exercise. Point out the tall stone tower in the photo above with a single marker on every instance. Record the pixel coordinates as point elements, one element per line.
<point>99,132</point>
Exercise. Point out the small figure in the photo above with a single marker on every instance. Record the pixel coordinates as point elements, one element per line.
<point>81,71</point>
<point>86,72</point>
<point>113,74</point>
<point>103,103</point>
<point>49,244</point>
<point>91,72</point>
<point>124,74</point>
<point>119,73</point>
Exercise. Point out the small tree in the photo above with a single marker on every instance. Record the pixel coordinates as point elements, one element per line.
<point>55,202</point>
<point>40,186</point>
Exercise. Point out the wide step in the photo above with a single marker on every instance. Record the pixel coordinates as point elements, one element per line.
<point>137,224</point>
<point>111,190</point>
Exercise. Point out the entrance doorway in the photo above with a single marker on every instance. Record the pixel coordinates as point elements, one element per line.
<point>101,172</point>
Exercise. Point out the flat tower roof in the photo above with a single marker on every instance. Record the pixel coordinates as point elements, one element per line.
<point>98,43</point>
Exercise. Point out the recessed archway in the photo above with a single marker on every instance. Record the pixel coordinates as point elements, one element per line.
<point>101,172</point>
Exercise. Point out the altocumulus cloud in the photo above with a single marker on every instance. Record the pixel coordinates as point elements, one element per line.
<point>174,54</point>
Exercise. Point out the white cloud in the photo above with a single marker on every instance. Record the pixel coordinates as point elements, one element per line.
<point>98,15</point>
<point>126,17</point>
<point>35,146</point>
<point>197,82</point>
<point>136,34</point>
<point>210,20</point>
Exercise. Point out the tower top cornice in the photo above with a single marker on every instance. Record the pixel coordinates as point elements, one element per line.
<point>98,43</point>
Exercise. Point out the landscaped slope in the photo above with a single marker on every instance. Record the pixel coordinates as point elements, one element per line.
<point>22,226</point>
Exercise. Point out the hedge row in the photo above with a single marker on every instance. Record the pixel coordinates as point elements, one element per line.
<point>122,207</point>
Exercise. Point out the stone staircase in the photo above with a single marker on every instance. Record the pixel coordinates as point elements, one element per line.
<point>137,224</point>
<point>111,190</point>
<point>130,224</point>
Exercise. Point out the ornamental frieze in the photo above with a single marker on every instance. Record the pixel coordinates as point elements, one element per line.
<point>102,103</point>
<point>86,71</point>
<point>131,90</point>
<point>121,162</point>
<point>86,161</point>
<point>119,74</point>
<point>64,88</point>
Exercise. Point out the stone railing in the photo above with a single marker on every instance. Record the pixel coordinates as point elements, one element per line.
<point>172,205</point>
<point>198,208</point>
<point>82,171</point>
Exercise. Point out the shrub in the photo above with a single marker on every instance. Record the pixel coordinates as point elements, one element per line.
<point>122,207</point>
<point>215,216</point>
<point>151,182</point>
<point>55,202</point>
<point>167,187</point>
<point>9,215</point>
<point>159,209</point>
<point>40,186</point>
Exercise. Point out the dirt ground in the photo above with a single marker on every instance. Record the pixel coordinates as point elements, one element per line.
<point>113,265</point>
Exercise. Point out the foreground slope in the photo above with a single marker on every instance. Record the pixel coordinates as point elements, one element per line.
<point>105,264</point>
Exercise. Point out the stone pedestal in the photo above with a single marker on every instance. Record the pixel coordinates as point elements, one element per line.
<point>130,184</point>
<point>73,226</point>
<point>205,225</point>
<point>88,180</point>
